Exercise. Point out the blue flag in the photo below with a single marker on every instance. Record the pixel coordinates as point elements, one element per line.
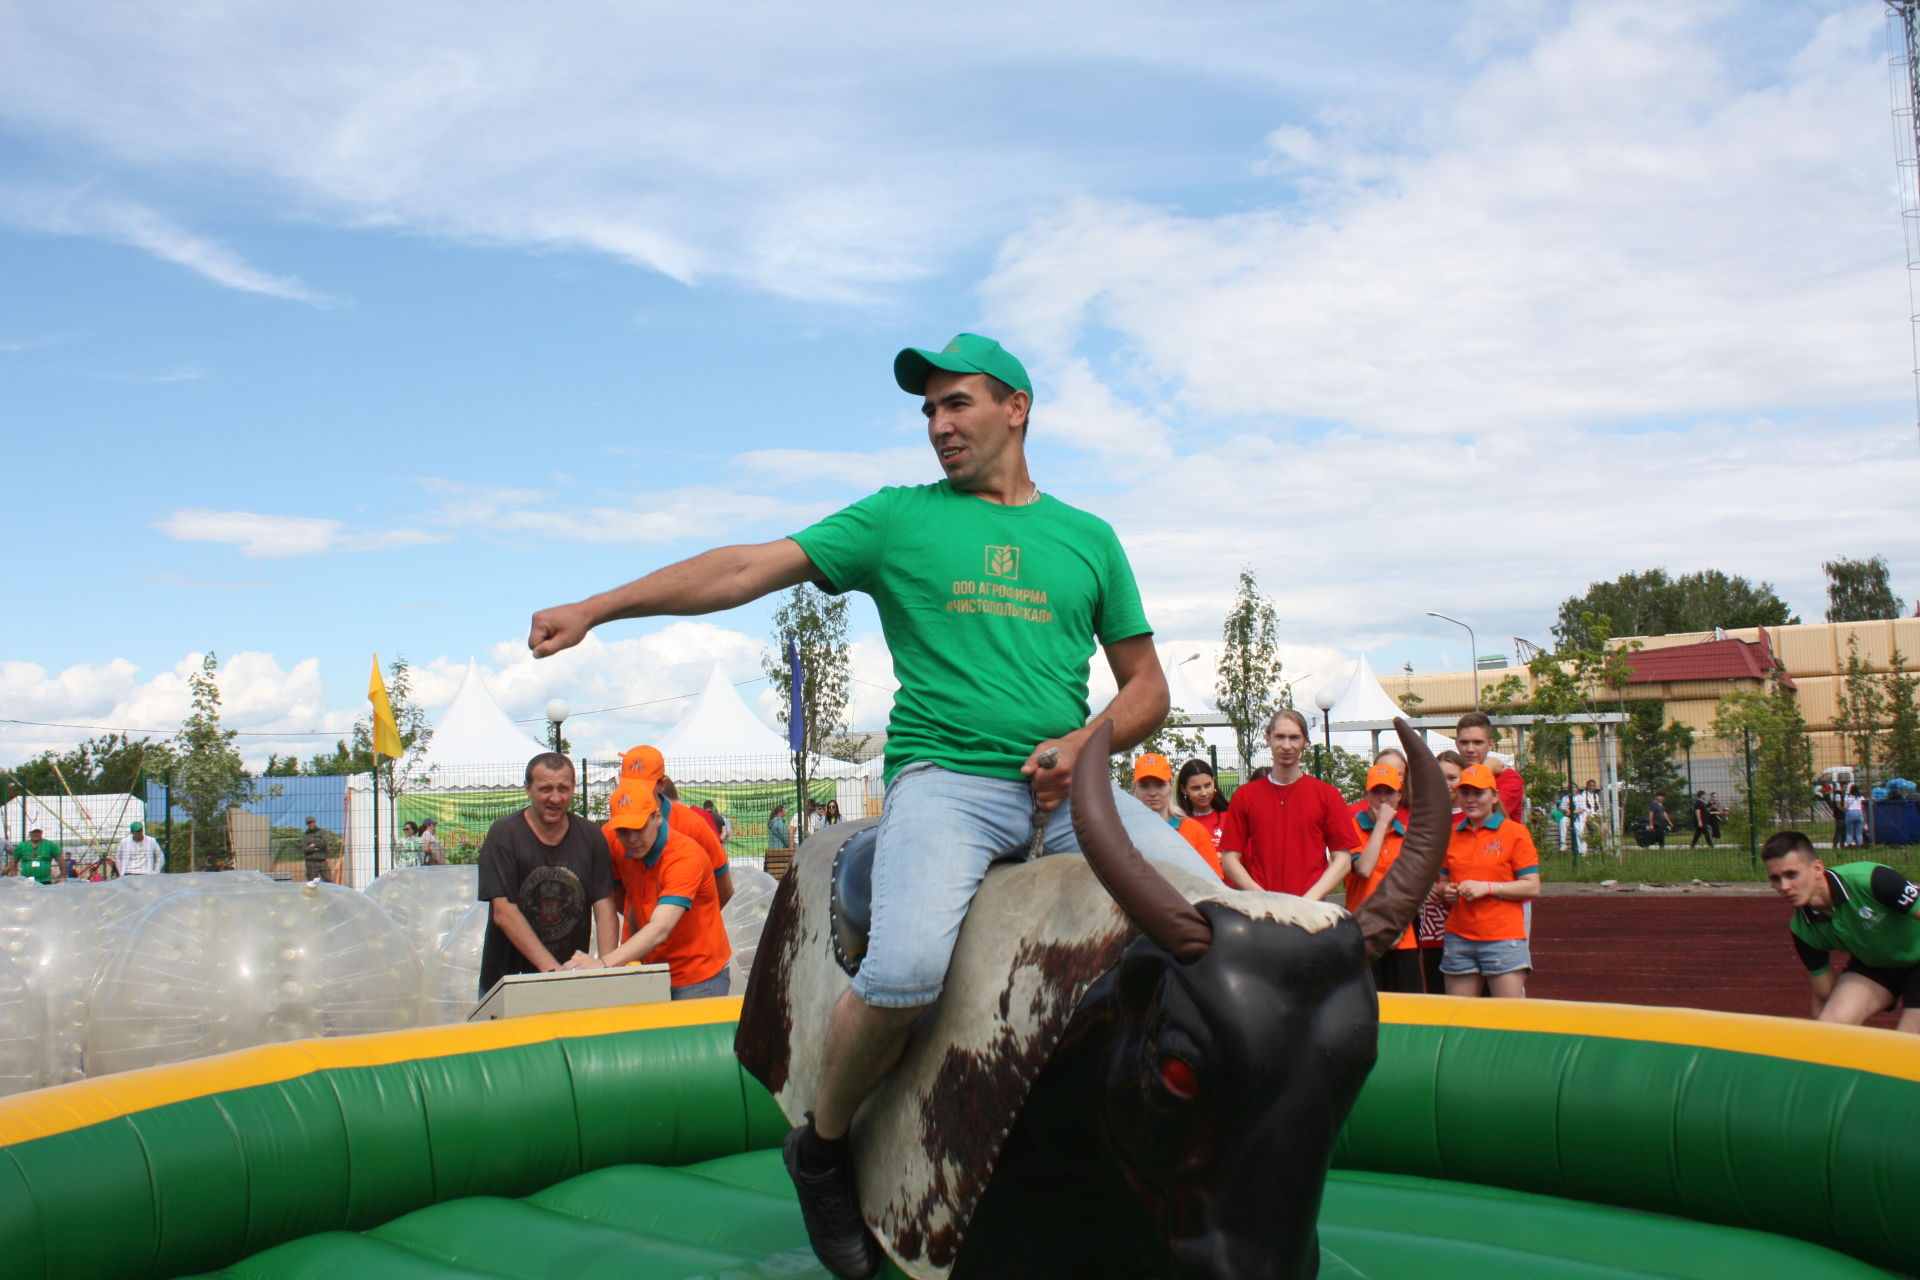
<point>796,719</point>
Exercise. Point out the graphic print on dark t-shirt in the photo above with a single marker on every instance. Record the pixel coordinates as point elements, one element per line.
<point>554,902</point>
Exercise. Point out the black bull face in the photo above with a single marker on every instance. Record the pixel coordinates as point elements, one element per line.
<point>1183,1123</point>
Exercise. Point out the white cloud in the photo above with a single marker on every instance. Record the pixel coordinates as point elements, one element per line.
<point>83,212</point>
<point>812,159</point>
<point>703,513</point>
<point>265,537</point>
<point>1609,225</point>
<point>258,698</point>
<point>849,469</point>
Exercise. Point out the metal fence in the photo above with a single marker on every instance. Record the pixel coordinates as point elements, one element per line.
<point>1752,789</point>
<point>367,824</point>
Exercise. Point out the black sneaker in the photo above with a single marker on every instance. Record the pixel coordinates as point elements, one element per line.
<point>830,1204</point>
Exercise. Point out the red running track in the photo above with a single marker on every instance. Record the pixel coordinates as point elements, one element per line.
<point>1701,951</point>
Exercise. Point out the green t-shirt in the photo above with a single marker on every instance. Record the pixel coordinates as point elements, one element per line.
<point>37,860</point>
<point>991,613</point>
<point>1875,932</point>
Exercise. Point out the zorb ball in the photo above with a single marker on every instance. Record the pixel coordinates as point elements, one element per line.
<point>427,903</point>
<point>23,1035</point>
<point>451,983</point>
<point>745,916</point>
<point>127,896</point>
<point>54,940</point>
<point>205,972</point>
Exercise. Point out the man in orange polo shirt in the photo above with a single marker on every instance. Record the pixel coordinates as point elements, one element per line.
<point>645,766</point>
<point>1383,822</point>
<point>1153,787</point>
<point>1492,868</point>
<point>673,911</point>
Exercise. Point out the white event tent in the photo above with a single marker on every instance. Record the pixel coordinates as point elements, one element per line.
<point>1183,697</point>
<point>474,744</point>
<point>720,739</point>
<point>474,747</point>
<point>1363,699</point>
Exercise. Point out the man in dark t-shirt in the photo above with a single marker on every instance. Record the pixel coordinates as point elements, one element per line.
<point>546,871</point>
<point>1659,821</point>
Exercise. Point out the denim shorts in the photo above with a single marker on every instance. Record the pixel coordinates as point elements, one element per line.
<point>939,832</point>
<point>718,985</point>
<point>1463,956</point>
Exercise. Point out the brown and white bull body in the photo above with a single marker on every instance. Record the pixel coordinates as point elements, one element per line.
<point>1131,1071</point>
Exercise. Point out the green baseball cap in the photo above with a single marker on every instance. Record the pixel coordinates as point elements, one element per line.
<point>136,826</point>
<point>967,353</point>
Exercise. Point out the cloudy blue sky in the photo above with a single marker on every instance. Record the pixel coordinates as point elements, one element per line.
<point>356,327</point>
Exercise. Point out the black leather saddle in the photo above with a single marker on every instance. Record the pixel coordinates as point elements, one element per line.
<point>851,905</point>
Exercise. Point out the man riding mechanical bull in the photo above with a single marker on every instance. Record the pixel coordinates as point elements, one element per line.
<point>992,596</point>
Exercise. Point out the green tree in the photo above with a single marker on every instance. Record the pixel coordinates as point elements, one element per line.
<point>113,762</point>
<point>1172,739</point>
<point>354,754</point>
<point>1647,748</point>
<point>1858,591</point>
<point>818,623</point>
<point>1781,781</point>
<point>1861,711</point>
<point>1567,681</point>
<point>1341,768</point>
<point>208,776</point>
<point>279,766</point>
<point>1903,720</point>
<point>1249,668</point>
<point>1653,604</point>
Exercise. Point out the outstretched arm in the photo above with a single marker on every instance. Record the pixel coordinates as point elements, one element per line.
<point>1138,708</point>
<point>711,581</point>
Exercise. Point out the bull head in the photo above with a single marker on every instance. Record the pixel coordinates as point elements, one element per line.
<point>1185,1124</point>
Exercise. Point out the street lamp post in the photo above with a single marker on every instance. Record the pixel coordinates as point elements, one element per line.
<point>1324,699</point>
<point>557,711</point>
<point>1473,654</point>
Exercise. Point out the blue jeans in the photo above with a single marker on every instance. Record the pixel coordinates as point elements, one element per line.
<point>939,832</point>
<point>1856,827</point>
<point>717,985</point>
<point>1463,956</point>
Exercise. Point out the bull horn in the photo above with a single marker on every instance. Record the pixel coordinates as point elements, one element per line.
<point>1154,906</point>
<point>1390,908</point>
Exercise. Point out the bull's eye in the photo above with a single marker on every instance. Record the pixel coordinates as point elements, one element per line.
<point>1179,1077</point>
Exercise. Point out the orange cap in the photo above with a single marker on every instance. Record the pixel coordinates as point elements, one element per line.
<point>1383,775</point>
<point>632,805</point>
<point>1477,776</point>
<point>643,763</point>
<point>1152,766</point>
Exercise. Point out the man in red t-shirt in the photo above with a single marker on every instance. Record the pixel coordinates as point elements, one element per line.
<point>1473,736</point>
<point>1287,832</point>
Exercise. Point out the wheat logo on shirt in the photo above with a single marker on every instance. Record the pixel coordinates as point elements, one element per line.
<point>1003,562</point>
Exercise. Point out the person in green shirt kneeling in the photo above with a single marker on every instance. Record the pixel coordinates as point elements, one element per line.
<point>1865,909</point>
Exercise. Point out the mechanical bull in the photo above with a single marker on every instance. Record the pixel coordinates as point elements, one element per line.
<point>1131,1073</point>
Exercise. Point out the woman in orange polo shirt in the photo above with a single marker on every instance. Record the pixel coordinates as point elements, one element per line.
<point>1492,868</point>
<point>1197,794</point>
<point>1383,822</point>
<point>1153,787</point>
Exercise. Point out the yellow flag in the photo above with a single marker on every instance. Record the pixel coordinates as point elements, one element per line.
<point>386,735</point>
